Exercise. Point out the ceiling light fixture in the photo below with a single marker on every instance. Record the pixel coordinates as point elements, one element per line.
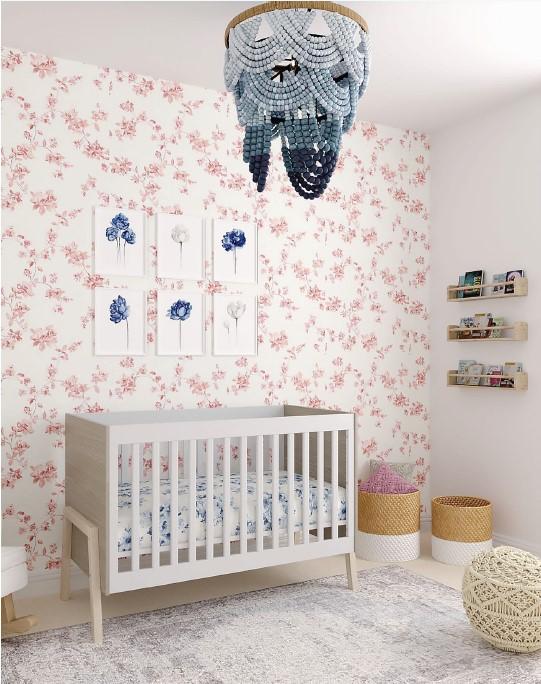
<point>297,71</point>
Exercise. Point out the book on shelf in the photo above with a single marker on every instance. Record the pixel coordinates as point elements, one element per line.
<point>481,320</point>
<point>496,322</point>
<point>473,278</point>
<point>463,366</point>
<point>460,293</point>
<point>492,370</point>
<point>473,374</point>
<point>499,278</point>
<point>511,275</point>
<point>466,322</point>
<point>510,368</point>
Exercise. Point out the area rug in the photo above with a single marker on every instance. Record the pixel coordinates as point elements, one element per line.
<point>399,628</point>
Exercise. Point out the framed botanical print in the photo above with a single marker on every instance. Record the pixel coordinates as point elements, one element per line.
<point>119,242</point>
<point>119,322</point>
<point>180,323</point>
<point>235,325</point>
<point>234,252</point>
<point>181,247</point>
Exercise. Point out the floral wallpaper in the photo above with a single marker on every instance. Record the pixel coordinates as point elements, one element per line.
<point>342,280</point>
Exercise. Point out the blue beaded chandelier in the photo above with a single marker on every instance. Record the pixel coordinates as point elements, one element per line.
<point>297,76</point>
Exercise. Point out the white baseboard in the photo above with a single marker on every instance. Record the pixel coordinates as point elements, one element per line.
<point>47,582</point>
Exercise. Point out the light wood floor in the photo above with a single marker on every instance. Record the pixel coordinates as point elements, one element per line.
<point>53,613</point>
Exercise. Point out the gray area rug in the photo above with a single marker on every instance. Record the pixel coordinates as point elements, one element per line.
<point>398,629</point>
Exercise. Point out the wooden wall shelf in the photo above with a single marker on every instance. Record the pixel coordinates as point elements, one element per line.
<point>514,332</point>
<point>520,381</point>
<point>520,290</point>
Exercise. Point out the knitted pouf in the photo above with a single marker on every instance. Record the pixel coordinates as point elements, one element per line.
<point>501,592</point>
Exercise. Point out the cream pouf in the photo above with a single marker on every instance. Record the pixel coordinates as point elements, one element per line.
<point>501,592</point>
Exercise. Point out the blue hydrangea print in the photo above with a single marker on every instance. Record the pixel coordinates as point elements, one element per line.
<point>179,311</point>
<point>118,312</point>
<point>233,240</point>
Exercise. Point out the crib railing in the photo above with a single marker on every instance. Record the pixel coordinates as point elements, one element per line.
<point>320,444</point>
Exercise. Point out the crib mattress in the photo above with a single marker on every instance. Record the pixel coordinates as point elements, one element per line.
<point>285,509</point>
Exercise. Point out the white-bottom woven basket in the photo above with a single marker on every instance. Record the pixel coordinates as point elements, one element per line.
<point>457,553</point>
<point>389,547</point>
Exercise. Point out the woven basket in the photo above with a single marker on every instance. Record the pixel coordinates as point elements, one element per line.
<point>389,526</point>
<point>461,528</point>
<point>501,592</point>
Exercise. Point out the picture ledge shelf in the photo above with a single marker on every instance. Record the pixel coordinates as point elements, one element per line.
<point>520,290</point>
<point>520,380</point>
<point>514,332</point>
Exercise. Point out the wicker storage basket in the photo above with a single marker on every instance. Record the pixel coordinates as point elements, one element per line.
<point>461,528</point>
<point>389,526</point>
<point>501,592</point>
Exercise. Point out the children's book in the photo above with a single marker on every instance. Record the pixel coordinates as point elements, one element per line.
<point>511,275</point>
<point>480,321</point>
<point>460,293</point>
<point>496,322</point>
<point>499,278</point>
<point>467,322</point>
<point>492,370</point>
<point>473,374</point>
<point>510,368</point>
<point>473,278</point>
<point>462,370</point>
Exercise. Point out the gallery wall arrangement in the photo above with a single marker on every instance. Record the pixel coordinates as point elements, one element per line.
<point>120,249</point>
<point>322,309</point>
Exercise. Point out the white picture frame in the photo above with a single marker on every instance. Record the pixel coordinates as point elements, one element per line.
<point>180,246</point>
<point>180,331</point>
<point>234,324</point>
<point>117,332</point>
<point>119,242</point>
<point>234,252</point>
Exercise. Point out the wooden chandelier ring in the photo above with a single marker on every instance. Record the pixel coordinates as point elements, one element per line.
<point>285,5</point>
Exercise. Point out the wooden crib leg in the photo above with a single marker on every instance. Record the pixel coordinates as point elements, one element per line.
<point>11,624</point>
<point>66,559</point>
<point>95,588</point>
<point>351,570</point>
<point>73,517</point>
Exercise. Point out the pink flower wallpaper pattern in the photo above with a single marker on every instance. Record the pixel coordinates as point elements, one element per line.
<point>343,291</point>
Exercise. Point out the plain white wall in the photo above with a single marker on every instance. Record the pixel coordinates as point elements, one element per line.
<point>486,210</point>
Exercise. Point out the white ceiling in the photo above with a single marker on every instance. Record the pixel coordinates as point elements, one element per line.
<point>434,63</point>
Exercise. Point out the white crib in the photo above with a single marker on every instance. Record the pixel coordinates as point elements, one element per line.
<point>247,487</point>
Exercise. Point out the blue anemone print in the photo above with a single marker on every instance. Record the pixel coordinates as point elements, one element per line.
<point>179,311</point>
<point>120,230</point>
<point>233,240</point>
<point>119,311</point>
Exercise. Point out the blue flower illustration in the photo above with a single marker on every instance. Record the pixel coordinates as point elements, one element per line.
<point>111,233</point>
<point>120,221</point>
<point>179,311</point>
<point>120,230</point>
<point>118,312</point>
<point>233,240</point>
<point>129,236</point>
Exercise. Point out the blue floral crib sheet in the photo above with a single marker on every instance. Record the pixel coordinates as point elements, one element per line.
<point>145,542</point>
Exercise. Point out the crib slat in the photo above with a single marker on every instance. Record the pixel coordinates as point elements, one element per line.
<point>227,498</point>
<point>243,495</point>
<point>259,493</point>
<point>275,491</point>
<point>135,510</point>
<point>173,515</point>
<point>350,497</point>
<point>320,467</point>
<point>334,483</point>
<point>193,514</point>
<point>156,504</point>
<point>290,489</point>
<point>305,488</point>
<point>210,499</point>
